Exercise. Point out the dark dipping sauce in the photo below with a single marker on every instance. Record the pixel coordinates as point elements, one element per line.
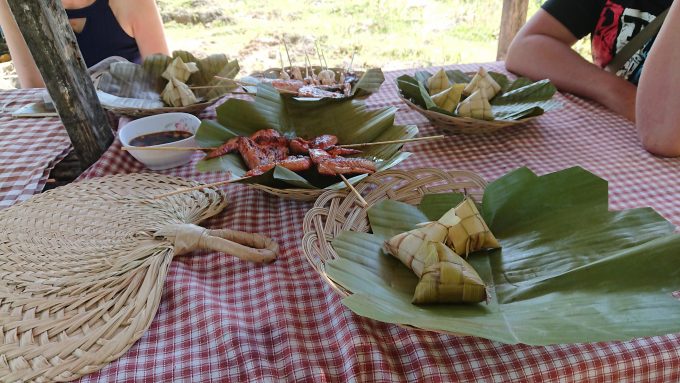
<point>159,138</point>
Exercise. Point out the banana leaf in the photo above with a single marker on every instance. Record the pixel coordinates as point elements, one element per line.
<point>569,270</point>
<point>352,121</point>
<point>130,82</point>
<point>518,99</point>
<point>367,83</point>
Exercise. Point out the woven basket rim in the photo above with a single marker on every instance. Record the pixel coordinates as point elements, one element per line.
<point>317,228</point>
<point>140,112</point>
<point>477,126</point>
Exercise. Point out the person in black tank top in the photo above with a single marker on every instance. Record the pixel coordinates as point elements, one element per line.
<point>101,25</point>
<point>642,90</point>
<point>103,28</point>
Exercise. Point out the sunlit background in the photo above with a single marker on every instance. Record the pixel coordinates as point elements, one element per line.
<point>390,34</point>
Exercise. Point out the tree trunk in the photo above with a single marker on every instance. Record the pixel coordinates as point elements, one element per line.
<point>49,37</point>
<point>514,17</point>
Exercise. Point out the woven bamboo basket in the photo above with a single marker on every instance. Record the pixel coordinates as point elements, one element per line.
<point>464,125</point>
<point>337,211</point>
<point>138,112</point>
<point>100,68</point>
<point>82,269</point>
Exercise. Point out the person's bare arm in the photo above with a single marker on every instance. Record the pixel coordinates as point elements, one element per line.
<point>542,49</point>
<point>658,112</point>
<point>27,71</point>
<point>142,20</point>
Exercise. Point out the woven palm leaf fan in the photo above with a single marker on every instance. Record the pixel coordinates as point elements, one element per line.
<point>82,269</point>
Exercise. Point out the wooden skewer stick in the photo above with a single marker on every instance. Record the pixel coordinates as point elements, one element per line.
<point>349,68</point>
<point>219,86</point>
<point>287,54</point>
<point>325,63</point>
<point>318,53</point>
<point>207,86</point>
<point>241,83</point>
<point>362,201</point>
<point>199,187</point>
<point>161,148</point>
<point>308,64</point>
<point>283,66</point>
<point>237,82</point>
<point>392,142</point>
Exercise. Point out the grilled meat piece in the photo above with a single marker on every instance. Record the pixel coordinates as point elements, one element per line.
<point>294,163</point>
<point>227,147</point>
<point>332,166</point>
<point>337,151</point>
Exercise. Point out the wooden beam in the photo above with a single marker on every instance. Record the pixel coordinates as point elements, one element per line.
<point>49,37</point>
<point>513,18</point>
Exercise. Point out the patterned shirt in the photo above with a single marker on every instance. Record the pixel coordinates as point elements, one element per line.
<point>611,24</point>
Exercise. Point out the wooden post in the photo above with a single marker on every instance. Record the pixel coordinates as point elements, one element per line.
<point>514,17</point>
<point>49,37</point>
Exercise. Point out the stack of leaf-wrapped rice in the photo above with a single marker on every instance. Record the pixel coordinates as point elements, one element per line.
<point>435,251</point>
<point>466,100</point>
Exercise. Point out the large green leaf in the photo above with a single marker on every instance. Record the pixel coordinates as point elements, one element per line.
<point>524,100</point>
<point>131,82</point>
<point>369,82</point>
<point>569,270</point>
<point>352,121</point>
<point>518,99</point>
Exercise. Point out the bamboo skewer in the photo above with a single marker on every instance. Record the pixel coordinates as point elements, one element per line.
<point>349,68</point>
<point>287,54</point>
<point>392,142</point>
<point>281,59</point>
<point>362,201</point>
<point>237,82</point>
<point>212,87</point>
<point>161,148</point>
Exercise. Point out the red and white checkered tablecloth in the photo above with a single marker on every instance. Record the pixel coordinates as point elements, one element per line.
<point>29,147</point>
<point>222,319</point>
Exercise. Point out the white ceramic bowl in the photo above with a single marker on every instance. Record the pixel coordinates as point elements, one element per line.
<point>161,159</point>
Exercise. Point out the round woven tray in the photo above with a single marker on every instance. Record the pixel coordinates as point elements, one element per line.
<point>136,112</point>
<point>464,125</point>
<point>82,269</point>
<point>337,211</point>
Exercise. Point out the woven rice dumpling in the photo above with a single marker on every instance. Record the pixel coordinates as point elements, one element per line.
<point>177,92</point>
<point>483,82</point>
<point>471,233</point>
<point>406,246</point>
<point>449,98</point>
<point>438,83</point>
<point>447,278</point>
<point>476,106</point>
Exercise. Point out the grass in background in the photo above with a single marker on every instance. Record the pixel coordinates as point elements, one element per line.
<point>390,34</point>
